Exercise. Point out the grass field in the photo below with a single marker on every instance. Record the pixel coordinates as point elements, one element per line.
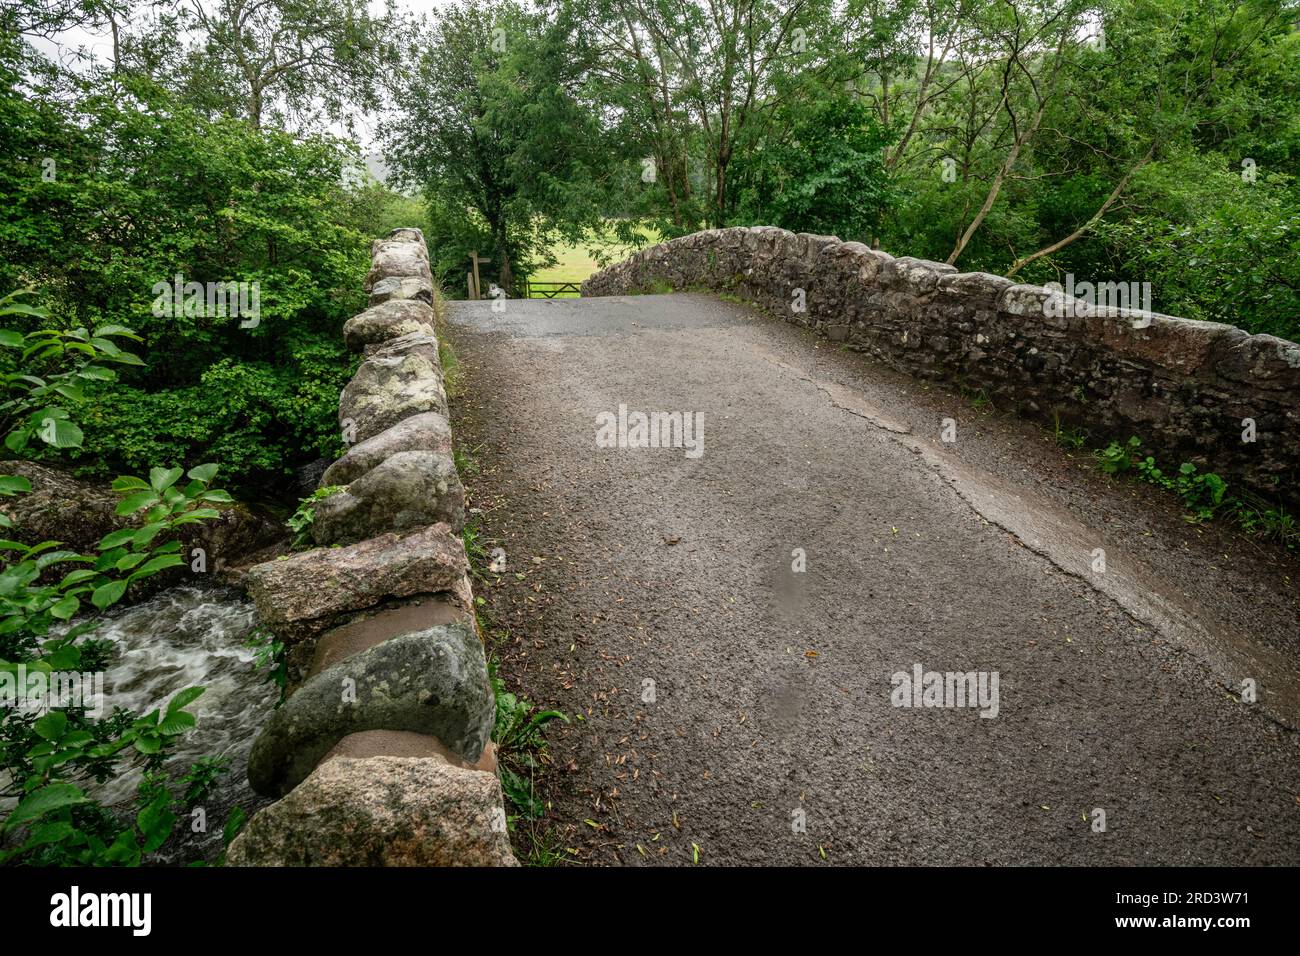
<point>576,262</point>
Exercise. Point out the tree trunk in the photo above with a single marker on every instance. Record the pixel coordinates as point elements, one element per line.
<point>1092,221</point>
<point>505,275</point>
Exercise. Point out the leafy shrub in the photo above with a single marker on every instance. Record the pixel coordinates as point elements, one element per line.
<point>269,653</point>
<point>1116,458</point>
<point>519,738</point>
<point>261,421</point>
<point>147,189</point>
<point>45,367</point>
<point>1204,494</point>
<point>301,521</point>
<point>42,588</point>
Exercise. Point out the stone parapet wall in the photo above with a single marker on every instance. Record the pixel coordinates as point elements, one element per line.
<point>1185,387</point>
<point>382,753</point>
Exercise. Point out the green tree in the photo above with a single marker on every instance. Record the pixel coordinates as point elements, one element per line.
<point>498,131</point>
<point>696,85</point>
<point>115,186</point>
<point>825,173</point>
<point>288,63</point>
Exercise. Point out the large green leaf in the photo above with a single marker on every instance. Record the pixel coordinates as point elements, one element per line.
<point>134,502</point>
<point>115,330</point>
<point>146,534</point>
<point>14,484</point>
<point>60,433</point>
<point>107,594</point>
<point>177,723</point>
<point>65,607</point>
<point>54,796</point>
<point>156,564</point>
<point>52,725</point>
<point>184,698</point>
<point>116,538</point>
<point>18,308</point>
<point>161,479</point>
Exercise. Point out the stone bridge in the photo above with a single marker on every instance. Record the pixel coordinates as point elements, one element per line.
<point>806,569</point>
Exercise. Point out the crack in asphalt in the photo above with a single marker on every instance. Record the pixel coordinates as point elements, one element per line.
<point>1058,537</point>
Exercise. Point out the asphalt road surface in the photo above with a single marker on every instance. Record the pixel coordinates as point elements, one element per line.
<point>725,628</point>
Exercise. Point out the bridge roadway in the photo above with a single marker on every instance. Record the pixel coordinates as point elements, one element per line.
<point>733,708</point>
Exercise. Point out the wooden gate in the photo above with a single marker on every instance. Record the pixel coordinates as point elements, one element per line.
<point>549,290</point>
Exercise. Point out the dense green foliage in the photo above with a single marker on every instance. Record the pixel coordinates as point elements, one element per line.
<point>113,184</point>
<point>44,369</point>
<point>53,735</point>
<point>825,175</point>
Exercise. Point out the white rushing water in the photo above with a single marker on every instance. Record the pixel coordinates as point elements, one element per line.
<point>186,637</point>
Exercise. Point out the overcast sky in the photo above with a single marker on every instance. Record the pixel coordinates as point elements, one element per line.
<point>101,45</point>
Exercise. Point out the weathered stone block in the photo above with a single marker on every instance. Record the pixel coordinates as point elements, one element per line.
<point>405,289</point>
<point>381,811</point>
<point>428,431</point>
<point>388,389</point>
<point>304,593</point>
<point>388,320</point>
<point>429,682</point>
<point>409,489</point>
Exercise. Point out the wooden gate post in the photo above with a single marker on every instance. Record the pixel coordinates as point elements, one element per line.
<point>477,292</point>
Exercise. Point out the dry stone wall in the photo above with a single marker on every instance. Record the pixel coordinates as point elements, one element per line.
<point>382,753</point>
<point>1186,388</point>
